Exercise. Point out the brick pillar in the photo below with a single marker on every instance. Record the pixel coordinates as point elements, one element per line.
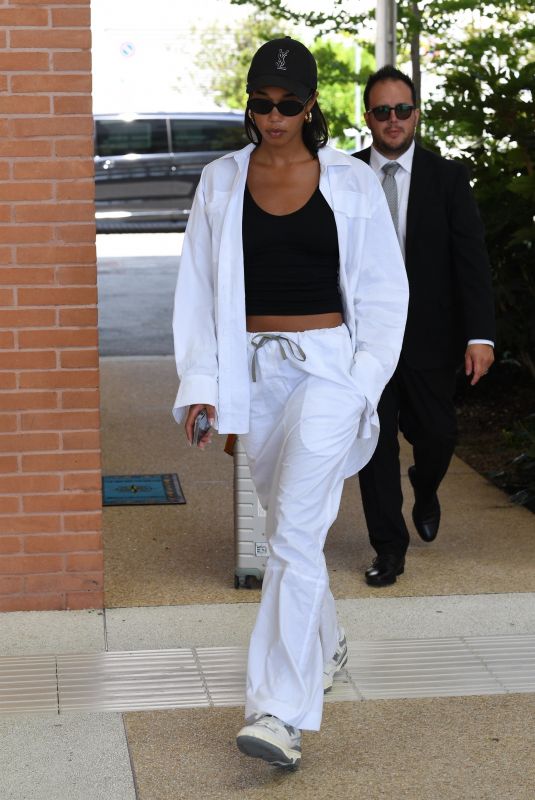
<point>50,503</point>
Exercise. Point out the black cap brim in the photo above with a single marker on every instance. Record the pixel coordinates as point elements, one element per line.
<point>300,90</point>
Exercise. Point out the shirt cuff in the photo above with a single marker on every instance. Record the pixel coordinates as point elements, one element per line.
<point>481,341</point>
<point>195,389</point>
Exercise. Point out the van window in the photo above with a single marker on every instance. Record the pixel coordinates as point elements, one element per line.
<point>118,137</point>
<point>190,136</point>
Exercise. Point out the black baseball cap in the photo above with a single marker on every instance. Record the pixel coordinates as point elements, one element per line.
<point>284,62</point>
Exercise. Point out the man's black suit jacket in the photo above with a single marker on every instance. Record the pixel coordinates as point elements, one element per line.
<point>451,298</point>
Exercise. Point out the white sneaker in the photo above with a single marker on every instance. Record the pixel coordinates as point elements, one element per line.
<point>337,662</point>
<point>271,739</point>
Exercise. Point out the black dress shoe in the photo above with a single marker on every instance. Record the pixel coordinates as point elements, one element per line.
<point>385,569</point>
<point>425,512</point>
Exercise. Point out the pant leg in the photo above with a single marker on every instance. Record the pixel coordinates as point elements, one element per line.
<point>429,422</point>
<point>420,403</point>
<point>329,629</point>
<point>305,453</point>
<point>380,481</point>
<point>286,656</point>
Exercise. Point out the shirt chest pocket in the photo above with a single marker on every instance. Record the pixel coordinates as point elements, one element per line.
<point>216,205</point>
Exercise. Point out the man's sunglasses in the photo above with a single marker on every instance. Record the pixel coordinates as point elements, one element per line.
<point>401,110</point>
<point>288,108</point>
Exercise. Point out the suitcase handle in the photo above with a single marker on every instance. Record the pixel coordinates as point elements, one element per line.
<point>230,443</point>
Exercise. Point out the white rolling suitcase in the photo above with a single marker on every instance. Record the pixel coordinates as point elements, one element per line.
<point>251,547</point>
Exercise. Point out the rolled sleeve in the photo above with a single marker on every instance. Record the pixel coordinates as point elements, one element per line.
<point>194,389</point>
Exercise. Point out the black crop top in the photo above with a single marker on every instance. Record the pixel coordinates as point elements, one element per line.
<point>291,261</point>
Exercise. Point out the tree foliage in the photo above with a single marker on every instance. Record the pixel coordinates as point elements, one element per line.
<point>340,19</point>
<point>231,51</point>
<point>484,112</point>
<point>337,80</point>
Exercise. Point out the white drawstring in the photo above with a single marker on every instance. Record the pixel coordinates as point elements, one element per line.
<point>294,349</point>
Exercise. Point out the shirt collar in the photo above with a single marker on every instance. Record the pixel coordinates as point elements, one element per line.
<point>328,156</point>
<point>377,159</point>
<point>241,157</point>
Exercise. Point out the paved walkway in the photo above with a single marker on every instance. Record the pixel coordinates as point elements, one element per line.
<point>458,724</point>
<point>437,702</point>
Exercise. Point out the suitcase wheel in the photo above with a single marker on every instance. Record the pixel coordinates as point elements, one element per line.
<point>243,580</point>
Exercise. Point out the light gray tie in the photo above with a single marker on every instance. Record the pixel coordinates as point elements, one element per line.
<point>391,189</point>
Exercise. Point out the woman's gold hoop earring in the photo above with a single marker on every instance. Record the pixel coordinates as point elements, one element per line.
<point>308,116</point>
<point>250,115</point>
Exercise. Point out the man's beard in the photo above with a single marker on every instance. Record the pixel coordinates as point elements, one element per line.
<point>397,149</point>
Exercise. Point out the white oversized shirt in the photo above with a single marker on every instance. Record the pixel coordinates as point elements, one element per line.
<point>209,324</point>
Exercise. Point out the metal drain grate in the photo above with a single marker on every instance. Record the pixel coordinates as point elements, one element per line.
<point>510,658</point>
<point>28,684</point>
<point>127,681</point>
<point>215,676</point>
<point>224,671</point>
<point>419,668</point>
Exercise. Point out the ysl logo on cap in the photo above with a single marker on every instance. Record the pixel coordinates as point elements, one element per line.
<point>281,59</point>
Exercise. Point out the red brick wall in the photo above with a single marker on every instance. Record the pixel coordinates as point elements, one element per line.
<point>50,504</point>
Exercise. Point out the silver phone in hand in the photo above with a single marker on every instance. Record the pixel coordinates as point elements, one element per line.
<point>200,427</point>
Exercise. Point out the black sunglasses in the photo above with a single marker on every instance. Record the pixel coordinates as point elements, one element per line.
<point>288,108</point>
<point>401,110</point>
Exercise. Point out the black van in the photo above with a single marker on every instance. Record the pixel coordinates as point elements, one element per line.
<point>147,166</point>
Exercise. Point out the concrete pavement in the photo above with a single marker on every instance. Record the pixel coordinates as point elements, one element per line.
<point>453,641</point>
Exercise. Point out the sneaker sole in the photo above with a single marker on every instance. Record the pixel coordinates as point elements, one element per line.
<point>328,686</point>
<point>274,755</point>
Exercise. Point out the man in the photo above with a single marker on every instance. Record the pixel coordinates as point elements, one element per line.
<point>450,311</point>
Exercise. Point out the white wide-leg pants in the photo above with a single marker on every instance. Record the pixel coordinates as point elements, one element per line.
<point>304,420</point>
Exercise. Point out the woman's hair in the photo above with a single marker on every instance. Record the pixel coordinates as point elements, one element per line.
<point>315,133</point>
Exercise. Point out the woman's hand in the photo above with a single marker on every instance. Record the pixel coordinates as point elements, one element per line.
<point>193,413</point>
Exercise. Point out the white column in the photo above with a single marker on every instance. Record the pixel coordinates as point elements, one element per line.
<point>385,42</point>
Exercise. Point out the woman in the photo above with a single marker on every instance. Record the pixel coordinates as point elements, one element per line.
<point>289,315</point>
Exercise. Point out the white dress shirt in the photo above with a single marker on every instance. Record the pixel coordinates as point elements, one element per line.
<point>403,182</point>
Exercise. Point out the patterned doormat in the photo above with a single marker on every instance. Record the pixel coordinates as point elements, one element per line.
<point>146,490</point>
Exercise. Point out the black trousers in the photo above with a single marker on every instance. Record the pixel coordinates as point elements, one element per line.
<point>419,403</point>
